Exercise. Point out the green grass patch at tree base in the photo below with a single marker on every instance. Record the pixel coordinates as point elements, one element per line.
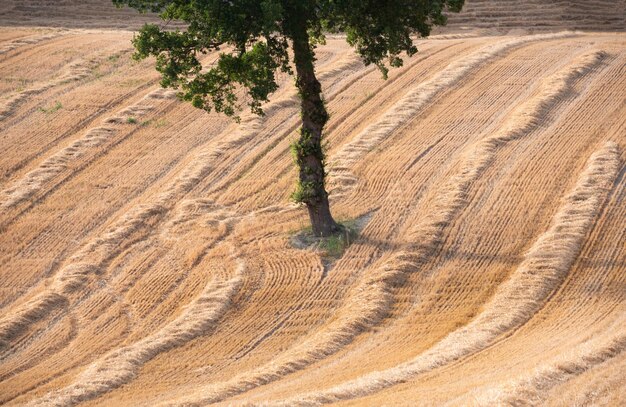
<point>330,248</point>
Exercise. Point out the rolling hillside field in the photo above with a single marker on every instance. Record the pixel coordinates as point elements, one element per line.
<point>150,254</point>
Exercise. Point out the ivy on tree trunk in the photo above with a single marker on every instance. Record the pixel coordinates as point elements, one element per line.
<point>308,151</point>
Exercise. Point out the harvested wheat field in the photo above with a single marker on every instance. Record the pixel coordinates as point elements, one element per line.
<point>149,252</point>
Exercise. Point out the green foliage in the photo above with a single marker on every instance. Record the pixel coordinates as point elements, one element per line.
<point>307,146</point>
<point>381,30</point>
<point>131,120</point>
<point>253,37</point>
<point>333,246</point>
<point>22,84</point>
<point>160,123</point>
<point>330,247</point>
<point>306,191</point>
<point>57,106</point>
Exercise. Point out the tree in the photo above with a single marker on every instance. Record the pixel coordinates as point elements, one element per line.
<point>255,37</point>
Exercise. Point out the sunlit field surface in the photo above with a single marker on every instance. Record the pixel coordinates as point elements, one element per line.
<point>148,250</point>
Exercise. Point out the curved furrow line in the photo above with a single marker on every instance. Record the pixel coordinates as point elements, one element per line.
<point>409,105</point>
<point>122,365</point>
<point>109,301</point>
<point>522,120</point>
<point>279,148</point>
<point>73,72</point>
<point>543,269</point>
<point>532,388</point>
<point>112,212</point>
<point>398,77</point>
<point>461,130</point>
<point>116,293</point>
<point>250,127</point>
<point>30,41</point>
<point>278,265</point>
<point>112,75</point>
<point>373,297</point>
<point>595,386</point>
<point>374,186</point>
<point>279,281</point>
<point>95,258</point>
<point>163,285</point>
<point>455,284</point>
<point>275,269</point>
<point>33,181</point>
<point>12,364</point>
<point>91,258</point>
<point>78,271</point>
<point>194,211</point>
<point>425,237</point>
<point>78,126</point>
<point>80,359</point>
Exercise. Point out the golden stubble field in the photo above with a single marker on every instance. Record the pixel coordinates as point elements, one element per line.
<point>146,252</point>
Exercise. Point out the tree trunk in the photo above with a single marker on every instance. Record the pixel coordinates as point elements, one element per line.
<point>308,149</point>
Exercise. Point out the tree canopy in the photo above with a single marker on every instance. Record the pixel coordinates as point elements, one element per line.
<point>253,37</point>
<point>254,40</point>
